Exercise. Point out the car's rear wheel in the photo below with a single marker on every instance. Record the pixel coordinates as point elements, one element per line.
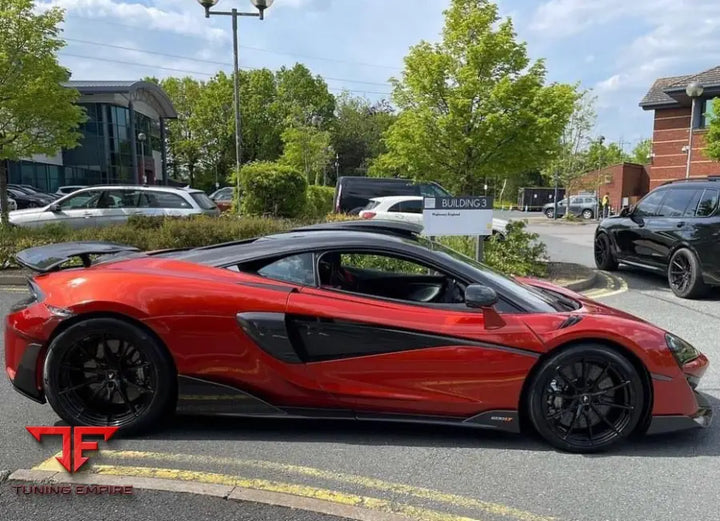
<point>604,258</point>
<point>587,214</point>
<point>586,398</point>
<point>109,372</point>
<point>685,275</point>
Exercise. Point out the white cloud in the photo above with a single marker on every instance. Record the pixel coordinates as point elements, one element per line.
<point>164,17</point>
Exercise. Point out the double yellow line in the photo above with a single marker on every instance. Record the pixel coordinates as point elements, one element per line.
<point>300,490</point>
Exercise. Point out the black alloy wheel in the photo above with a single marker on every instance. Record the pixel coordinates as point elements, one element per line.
<point>586,399</point>
<point>110,373</point>
<point>685,275</point>
<point>604,258</point>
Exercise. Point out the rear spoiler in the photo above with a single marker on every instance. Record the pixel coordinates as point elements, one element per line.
<point>44,259</point>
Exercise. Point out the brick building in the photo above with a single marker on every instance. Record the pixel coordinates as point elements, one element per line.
<point>673,121</point>
<point>625,183</point>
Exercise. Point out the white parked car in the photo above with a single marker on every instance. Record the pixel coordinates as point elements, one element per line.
<point>107,205</point>
<point>12,205</point>
<point>409,208</point>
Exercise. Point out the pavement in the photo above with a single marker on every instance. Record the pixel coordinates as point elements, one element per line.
<point>384,470</point>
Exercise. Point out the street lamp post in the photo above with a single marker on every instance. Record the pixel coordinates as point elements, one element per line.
<point>260,5</point>
<point>694,90</point>
<point>141,137</point>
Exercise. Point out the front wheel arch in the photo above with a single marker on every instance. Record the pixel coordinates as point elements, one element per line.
<point>526,424</point>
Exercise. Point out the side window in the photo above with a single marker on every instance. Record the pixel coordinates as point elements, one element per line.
<point>693,204</point>
<point>708,203</point>
<point>85,200</point>
<point>648,207</point>
<point>296,269</point>
<point>433,190</point>
<point>676,201</point>
<point>411,206</point>
<point>164,200</point>
<point>395,208</point>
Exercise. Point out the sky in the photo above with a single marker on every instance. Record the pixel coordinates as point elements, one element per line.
<point>617,48</point>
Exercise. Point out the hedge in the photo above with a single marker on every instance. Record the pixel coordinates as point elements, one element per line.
<point>271,189</point>
<point>520,254</point>
<point>319,201</point>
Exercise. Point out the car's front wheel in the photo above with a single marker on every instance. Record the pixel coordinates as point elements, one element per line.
<point>604,257</point>
<point>109,372</point>
<point>586,398</point>
<point>549,213</point>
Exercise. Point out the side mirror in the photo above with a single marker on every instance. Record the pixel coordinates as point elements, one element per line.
<point>625,212</point>
<point>479,296</point>
<point>54,208</point>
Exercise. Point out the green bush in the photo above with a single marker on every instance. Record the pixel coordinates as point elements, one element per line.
<point>271,189</point>
<point>319,201</point>
<point>520,253</point>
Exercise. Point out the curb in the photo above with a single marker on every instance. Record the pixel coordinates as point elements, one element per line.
<point>13,277</point>
<point>232,493</point>
<point>583,284</point>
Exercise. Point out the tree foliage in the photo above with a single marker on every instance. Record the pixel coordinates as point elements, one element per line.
<point>713,136</point>
<point>37,114</point>
<point>473,106</point>
<point>641,154</point>
<point>307,149</point>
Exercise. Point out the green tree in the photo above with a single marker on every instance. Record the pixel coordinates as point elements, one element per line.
<point>473,106</point>
<point>599,155</point>
<point>641,152</point>
<point>569,162</point>
<point>37,114</point>
<point>185,144</point>
<point>357,132</point>
<point>262,124</point>
<point>307,150</point>
<point>303,98</point>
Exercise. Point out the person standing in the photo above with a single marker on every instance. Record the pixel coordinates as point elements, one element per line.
<point>606,205</point>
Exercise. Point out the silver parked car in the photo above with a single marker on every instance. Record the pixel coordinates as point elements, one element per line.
<point>107,205</point>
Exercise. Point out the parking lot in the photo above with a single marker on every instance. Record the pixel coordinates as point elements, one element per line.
<point>426,472</point>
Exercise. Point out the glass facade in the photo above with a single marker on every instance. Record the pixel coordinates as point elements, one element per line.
<point>103,156</point>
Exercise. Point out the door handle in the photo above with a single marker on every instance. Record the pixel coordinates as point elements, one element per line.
<point>680,224</point>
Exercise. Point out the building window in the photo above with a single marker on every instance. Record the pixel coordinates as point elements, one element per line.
<point>707,112</point>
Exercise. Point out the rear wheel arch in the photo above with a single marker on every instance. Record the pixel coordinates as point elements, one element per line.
<point>523,404</point>
<point>76,319</point>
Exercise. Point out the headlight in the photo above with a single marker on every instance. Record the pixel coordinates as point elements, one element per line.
<point>36,295</point>
<point>681,350</point>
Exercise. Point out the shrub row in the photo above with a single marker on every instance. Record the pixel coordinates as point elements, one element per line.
<point>520,254</point>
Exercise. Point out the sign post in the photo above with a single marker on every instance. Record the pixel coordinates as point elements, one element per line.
<point>457,216</point>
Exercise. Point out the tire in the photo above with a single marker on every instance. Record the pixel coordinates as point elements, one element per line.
<point>108,372</point>
<point>587,214</point>
<point>586,399</point>
<point>685,275</point>
<point>604,258</point>
<point>549,213</point>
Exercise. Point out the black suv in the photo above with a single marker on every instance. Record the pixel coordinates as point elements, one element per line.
<point>675,230</point>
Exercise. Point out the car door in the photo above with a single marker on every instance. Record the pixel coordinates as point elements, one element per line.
<point>160,203</point>
<point>412,211</point>
<point>116,206</point>
<point>644,220</point>
<point>76,211</point>
<point>669,226</point>
<point>627,232</point>
<point>374,353</point>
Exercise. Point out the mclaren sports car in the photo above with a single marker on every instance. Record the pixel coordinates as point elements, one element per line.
<point>350,321</point>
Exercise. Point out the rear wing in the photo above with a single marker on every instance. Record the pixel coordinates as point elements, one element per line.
<point>44,259</point>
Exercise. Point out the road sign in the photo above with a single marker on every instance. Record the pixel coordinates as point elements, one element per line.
<point>457,216</point>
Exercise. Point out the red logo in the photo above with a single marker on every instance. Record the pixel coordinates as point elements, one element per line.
<point>73,445</point>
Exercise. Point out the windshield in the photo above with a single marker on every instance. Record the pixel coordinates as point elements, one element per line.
<point>203,200</point>
<point>538,300</point>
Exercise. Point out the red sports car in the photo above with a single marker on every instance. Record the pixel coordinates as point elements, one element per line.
<point>352,320</point>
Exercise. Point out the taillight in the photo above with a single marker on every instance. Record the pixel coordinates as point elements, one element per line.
<point>368,215</point>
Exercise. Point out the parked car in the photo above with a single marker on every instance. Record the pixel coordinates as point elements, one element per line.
<point>12,205</point>
<point>64,190</point>
<point>106,205</point>
<point>353,193</point>
<point>29,190</point>
<point>583,206</point>
<point>673,230</point>
<point>223,198</point>
<point>409,208</point>
<point>358,321</point>
<point>25,200</point>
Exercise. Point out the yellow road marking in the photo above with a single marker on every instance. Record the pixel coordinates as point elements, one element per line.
<point>622,287</point>
<point>366,482</point>
<point>381,505</point>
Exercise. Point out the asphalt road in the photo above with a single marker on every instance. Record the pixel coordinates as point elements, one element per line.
<point>448,471</point>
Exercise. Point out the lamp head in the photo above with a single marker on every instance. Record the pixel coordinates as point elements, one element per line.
<point>207,5</point>
<point>695,89</point>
